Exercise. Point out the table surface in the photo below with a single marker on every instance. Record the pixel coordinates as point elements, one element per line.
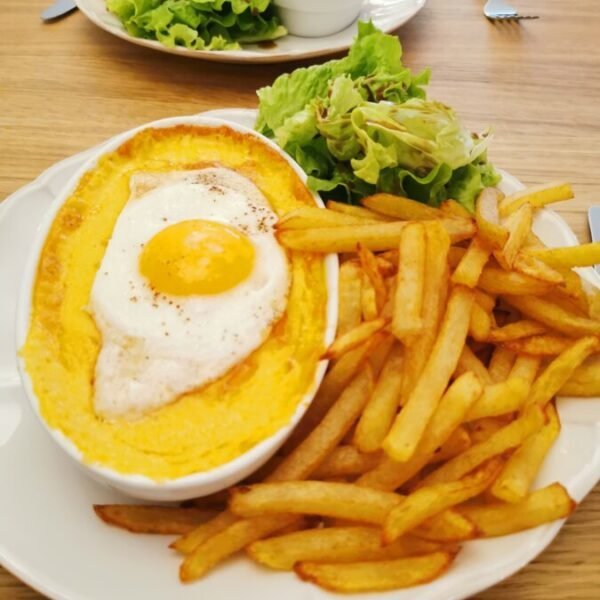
<point>67,86</point>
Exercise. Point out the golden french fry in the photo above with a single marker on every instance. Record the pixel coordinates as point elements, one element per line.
<point>401,208</point>
<point>537,196</point>
<point>471,265</point>
<point>353,338</point>
<point>229,541</point>
<point>408,301</point>
<point>368,299</point>
<point>456,444</point>
<point>515,479</point>
<point>335,545</point>
<point>487,302</point>
<point>378,415</point>
<point>349,302</point>
<point>519,226</point>
<point>371,269</point>
<point>336,423</point>
<point>375,236</point>
<point>447,527</point>
<point>191,540</point>
<point>379,356</point>
<point>497,281</point>
<point>558,372</point>
<point>468,361</point>
<point>506,438</point>
<point>499,399</point>
<point>553,316</point>
<point>579,389</point>
<point>434,301</point>
<point>138,518</point>
<point>516,331</point>
<point>346,460</point>
<point>453,209</point>
<point>432,500</point>
<point>542,506</point>
<point>410,424</point>
<point>480,323</point>
<point>308,217</point>
<point>455,255</point>
<point>373,576</point>
<point>533,267</point>
<point>450,413</point>
<point>585,381</point>
<point>584,255</point>
<point>356,211</point>
<point>501,363</point>
<point>539,345</point>
<point>488,219</point>
<point>482,429</point>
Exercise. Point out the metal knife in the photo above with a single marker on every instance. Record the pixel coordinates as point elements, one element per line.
<point>594,218</point>
<point>59,9</point>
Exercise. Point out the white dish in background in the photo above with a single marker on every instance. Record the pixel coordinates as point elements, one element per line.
<point>387,15</point>
<point>51,539</point>
<point>317,18</point>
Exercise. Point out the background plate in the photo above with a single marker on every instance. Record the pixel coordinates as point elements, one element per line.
<point>50,537</point>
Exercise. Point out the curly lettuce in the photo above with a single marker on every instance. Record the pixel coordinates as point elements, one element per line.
<point>363,124</point>
<point>199,24</point>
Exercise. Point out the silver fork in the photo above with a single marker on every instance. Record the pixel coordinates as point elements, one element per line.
<point>498,10</point>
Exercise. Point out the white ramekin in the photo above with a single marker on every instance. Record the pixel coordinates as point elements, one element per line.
<point>197,484</point>
<point>317,18</point>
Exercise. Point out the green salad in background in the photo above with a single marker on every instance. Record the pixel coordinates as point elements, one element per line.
<point>363,124</point>
<point>199,24</point>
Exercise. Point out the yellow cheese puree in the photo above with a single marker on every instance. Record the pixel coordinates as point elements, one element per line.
<point>208,427</point>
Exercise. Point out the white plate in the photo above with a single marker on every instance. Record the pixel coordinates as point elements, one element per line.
<point>50,538</point>
<point>387,15</point>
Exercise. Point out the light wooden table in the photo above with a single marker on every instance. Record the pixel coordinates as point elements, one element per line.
<point>67,86</point>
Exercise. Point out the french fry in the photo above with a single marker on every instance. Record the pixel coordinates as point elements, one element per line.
<point>357,211</point>
<point>455,255</point>
<point>488,219</point>
<point>191,540</point>
<point>308,217</point>
<point>506,438</point>
<point>378,415</point>
<point>372,576</point>
<point>229,541</point>
<point>401,208</point>
<point>371,269</point>
<point>515,479</point>
<point>431,500</point>
<point>487,302</point>
<point>499,399</point>
<point>375,236</point>
<point>482,429</point>
<point>558,372</point>
<point>410,424</point>
<point>539,345</point>
<point>497,281</point>
<point>334,545</point>
<point>585,380</point>
<point>542,506</point>
<point>449,414</point>
<point>168,520</point>
<point>579,389</point>
<point>501,363</point>
<point>380,354</point>
<point>471,265</point>
<point>480,323</point>
<point>537,196</point>
<point>526,368</point>
<point>468,361</point>
<point>353,338</point>
<point>446,528</point>
<point>553,316</point>
<point>518,225</point>
<point>434,300</point>
<point>584,255</point>
<point>516,331</point>
<point>336,423</point>
<point>454,209</point>
<point>346,460</point>
<point>533,267</point>
<point>349,302</point>
<point>408,301</point>
<point>456,444</point>
<point>368,299</point>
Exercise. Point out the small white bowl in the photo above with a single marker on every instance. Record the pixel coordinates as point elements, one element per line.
<point>317,18</point>
<point>201,483</point>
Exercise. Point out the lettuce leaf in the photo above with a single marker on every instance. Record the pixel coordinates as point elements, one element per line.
<point>363,124</point>
<point>199,24</point>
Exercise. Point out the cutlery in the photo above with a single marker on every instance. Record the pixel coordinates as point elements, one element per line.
<point>60,8</point>
<point>594,219</point>
<point>498,10</point>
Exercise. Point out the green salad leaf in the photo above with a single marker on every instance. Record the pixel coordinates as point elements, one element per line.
<point>363,124</point>
<point>199,24</point>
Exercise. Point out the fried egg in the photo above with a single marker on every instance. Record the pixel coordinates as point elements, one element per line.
<point>191,282</point>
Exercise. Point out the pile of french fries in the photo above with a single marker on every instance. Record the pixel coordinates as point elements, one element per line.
<point>455,335</point>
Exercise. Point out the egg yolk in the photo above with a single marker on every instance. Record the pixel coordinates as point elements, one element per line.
<point>196,257</point>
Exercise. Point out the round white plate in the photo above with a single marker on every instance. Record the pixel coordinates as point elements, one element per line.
<point>387,15</point>
<point>50,537</point>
